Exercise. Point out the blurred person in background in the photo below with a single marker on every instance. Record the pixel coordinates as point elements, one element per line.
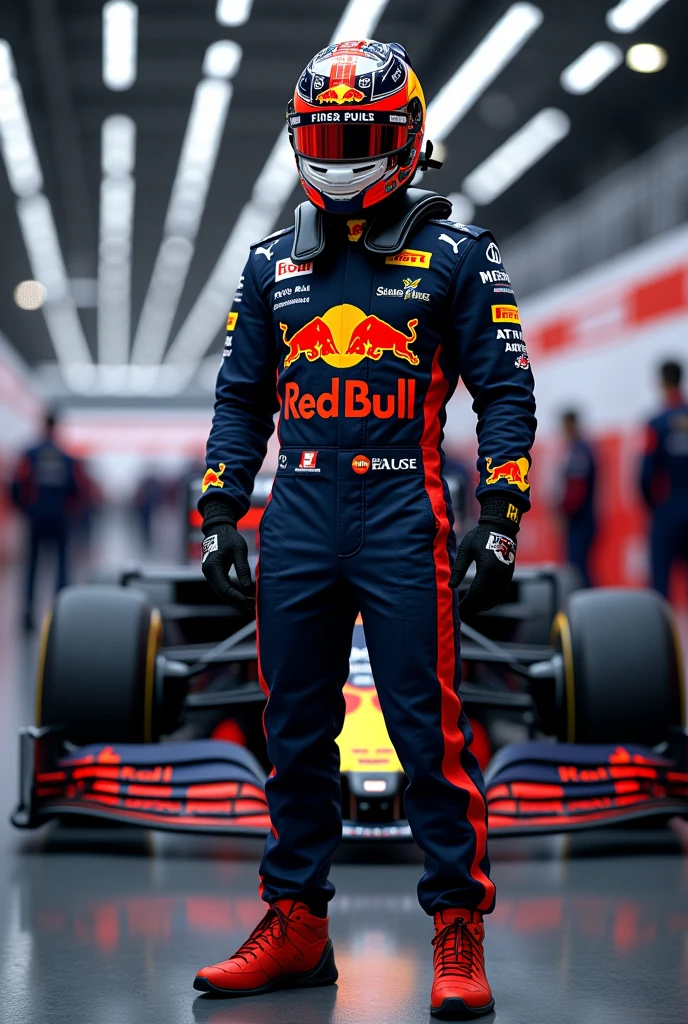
<point>577,505</point>
<point>664,479</point>
<point>46,489</point>
<point>146,501</point>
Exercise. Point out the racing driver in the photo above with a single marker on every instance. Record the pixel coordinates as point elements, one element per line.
<point>355,324</point>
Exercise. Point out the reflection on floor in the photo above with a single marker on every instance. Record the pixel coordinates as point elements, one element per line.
<point>106,925</point>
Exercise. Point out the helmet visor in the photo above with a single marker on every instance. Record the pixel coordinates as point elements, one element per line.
<point>369,136</point>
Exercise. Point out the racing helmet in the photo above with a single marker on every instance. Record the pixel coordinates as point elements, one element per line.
<point>356,124</point>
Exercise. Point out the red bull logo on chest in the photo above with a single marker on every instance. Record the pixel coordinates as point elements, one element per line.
<point>344,335</point>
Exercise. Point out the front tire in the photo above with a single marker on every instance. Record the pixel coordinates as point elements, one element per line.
<point>621,674</point>
<point>97,666</point>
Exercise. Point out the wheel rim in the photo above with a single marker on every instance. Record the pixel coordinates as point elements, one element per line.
<point>152,648</point>
<point>561,631</point>
<point>40,667</point>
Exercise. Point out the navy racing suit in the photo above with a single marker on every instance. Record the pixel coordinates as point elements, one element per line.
<point>360,354</point>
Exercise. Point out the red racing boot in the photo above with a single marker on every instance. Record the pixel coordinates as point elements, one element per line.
<point>290,948</point>
<point>460,990</point>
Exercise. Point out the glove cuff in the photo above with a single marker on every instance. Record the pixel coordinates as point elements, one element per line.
<point>501,511</point>
<point>216,512</point>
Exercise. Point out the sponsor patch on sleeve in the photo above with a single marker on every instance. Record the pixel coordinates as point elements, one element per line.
<point>503,313</point>
<point>232,321</point>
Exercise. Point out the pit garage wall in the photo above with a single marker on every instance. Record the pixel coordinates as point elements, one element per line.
<point>21,413</point>
<point>595,343</point>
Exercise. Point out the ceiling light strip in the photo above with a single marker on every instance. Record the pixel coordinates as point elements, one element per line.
<point>233,12</point>
<point>273,187</point>
<point>591,68</point>
<point>120,43</point>
<point>38,229</point>
<point>117,196</point>
<point>629,15</point>
<point>482,67</point>
<point>517,155</point>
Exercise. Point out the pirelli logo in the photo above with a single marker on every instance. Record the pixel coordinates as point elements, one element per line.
<point>411,258</point>
<point>505,314</point>
<point>231,321</point>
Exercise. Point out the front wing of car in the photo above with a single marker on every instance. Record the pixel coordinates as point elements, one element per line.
<point>213,786</point>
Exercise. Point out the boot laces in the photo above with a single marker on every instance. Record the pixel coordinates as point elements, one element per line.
<point>457,951</point>
<point>271,931</point>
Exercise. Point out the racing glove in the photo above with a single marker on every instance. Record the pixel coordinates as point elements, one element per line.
<point>492,546</point>
<point>224,547</point>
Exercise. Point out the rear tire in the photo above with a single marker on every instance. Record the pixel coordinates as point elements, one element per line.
<point>97,666</point>
<point>622,680</point>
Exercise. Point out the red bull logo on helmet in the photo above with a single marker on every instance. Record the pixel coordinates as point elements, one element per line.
<point>344,335</point>
<point>515,471</point>
<point>340,94</point>
<point>213,478</point>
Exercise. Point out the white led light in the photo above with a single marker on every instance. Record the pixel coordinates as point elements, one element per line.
<point>117,197</point>
<point>187,202</point>
<point>30,294</point>
<point>629,15</point>
<point>16,139</point>
<point>233,12</point>
<point>222,59</point>
<point>45,257</point>
<point>118,145</point>
<point>38,230</point>
<point>646,58</point>
<point>7,70</point>
<point>120,36</point>
<point>374,786</point>
<point>517,155</point>
<point>359,20</point>
<point>591,68</point>
<point>485,63</point>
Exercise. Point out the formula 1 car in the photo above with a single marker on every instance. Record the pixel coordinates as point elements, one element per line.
<point>148,711</point>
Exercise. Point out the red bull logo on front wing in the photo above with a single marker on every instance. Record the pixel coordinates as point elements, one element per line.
<point>344,335</point>
<point>515,471</point>
<point>340,94</point>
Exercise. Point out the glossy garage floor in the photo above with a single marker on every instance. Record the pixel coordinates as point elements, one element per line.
<point>109,927</point>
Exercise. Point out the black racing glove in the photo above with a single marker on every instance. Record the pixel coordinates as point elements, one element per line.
<point>492,546</point>
<point>223,548</point>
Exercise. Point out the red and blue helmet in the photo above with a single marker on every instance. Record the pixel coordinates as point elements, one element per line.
<point>356,123</point>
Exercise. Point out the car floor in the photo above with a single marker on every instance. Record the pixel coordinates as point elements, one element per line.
<point>110,925</point>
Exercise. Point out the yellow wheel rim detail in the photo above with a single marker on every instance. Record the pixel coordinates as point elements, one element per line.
<point>562,630</point>
<point>154,640</point>
<point>40,667</point>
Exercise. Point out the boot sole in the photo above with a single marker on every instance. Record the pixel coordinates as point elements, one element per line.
<point>457,1009</point>
<point>324,973</point>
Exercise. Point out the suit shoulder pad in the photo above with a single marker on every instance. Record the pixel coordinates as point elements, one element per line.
<point>273,237</point>
<point>465,229</point>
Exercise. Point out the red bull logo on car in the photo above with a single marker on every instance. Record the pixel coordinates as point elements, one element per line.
<point>344,335</point>
<point>515,471</point>
<point>213,478</point>
<point>340,94</point>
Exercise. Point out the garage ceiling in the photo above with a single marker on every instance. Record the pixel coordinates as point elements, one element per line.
<point>57,49</point>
